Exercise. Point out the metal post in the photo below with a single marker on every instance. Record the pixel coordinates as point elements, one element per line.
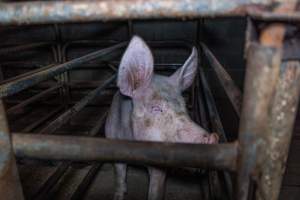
<point>277,141</point>
<point>10,186</point>
<point>257,132</point>
<point>261,76</point>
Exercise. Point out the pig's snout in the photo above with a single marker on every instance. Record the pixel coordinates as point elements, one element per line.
<point>212,138</point>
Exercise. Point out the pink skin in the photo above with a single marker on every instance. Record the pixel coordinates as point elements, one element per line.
<point>154,110</point>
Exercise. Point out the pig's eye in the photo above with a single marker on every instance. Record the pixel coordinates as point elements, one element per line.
<point>156,109</point>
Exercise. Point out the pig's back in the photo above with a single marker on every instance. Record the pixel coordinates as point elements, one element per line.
<point>118,123</point>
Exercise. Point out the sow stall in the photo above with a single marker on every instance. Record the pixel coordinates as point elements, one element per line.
<point>248,167</point>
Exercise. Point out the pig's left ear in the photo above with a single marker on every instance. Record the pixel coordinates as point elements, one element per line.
<point>136,68</point>
<point>185,75</point>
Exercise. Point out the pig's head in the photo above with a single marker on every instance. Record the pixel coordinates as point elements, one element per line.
<point>159,110</point>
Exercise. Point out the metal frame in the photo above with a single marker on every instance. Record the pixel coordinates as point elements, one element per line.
<point>267,111</point>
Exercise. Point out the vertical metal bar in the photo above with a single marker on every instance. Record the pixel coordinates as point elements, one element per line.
<point>282,117</point>
<point>261,76</point>
<point>10,186</point>
<point>256,135</point>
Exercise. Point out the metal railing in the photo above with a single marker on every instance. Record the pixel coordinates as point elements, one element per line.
<point>267,110</point>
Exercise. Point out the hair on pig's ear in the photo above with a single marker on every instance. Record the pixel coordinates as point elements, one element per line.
<point>136,68</point>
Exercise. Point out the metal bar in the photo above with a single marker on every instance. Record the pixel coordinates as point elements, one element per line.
<point>25,82</point>
<point>86,182</point>
<point>51,181</point>
<point>233,92</point>
<point>220,156</point>
<point>282,117</point>
<point>44,190</point>
<point>83,11</point>
<point>261,76</point>
<point>32,99</point>
<point>26,74</point>
<point>216,124</point>
<point>212,189</point>
<point>98,125</point>
<point>255,132</point>
<point>10,185</point>
<point>212,109</point>
<point>54,125</point>
<point>13,49</point>
<point>42,120</point>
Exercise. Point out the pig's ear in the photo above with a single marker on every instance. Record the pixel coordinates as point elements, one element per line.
<point>185,75</point>
<point>136,68</point>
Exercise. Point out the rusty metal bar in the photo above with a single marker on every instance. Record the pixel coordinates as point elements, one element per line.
<point>220,156</point>
<point>83,11</point>
<point>57,123</point>
<point>10,185</point>
<point>261,76</point>
<point>256,135</point>
<point>233,92</point>
<point>25,82</point>
<point>282,117</point>
<point>32,99</point>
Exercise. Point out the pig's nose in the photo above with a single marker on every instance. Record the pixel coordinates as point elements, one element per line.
<point>213,138</point>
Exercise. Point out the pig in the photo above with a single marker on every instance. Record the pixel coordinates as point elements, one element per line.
<point>150,107</point>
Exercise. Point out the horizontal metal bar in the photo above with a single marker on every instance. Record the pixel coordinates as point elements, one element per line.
<point>32,99</point>
<point>82,11</point>
<point>26,74</point>
<point>42,120</point>
<point>62,119</point>
<point>220,156</point>
<point>25,82</point>
<point>233,92</point>
<point>13,49</point>
<point>52,180</point>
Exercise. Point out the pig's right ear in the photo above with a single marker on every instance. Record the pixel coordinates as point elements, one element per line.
<point>136,68</point>
<point>184,76</point>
